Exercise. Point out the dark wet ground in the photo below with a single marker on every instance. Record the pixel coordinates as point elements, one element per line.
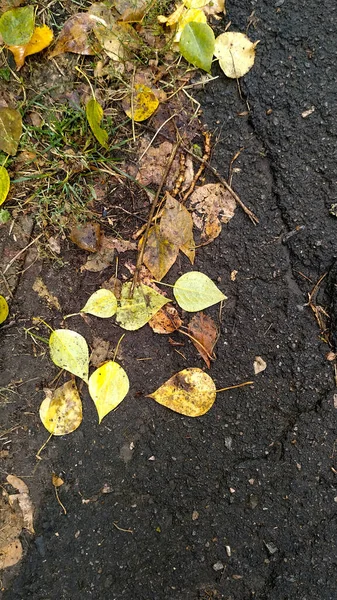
<point>239,504</point>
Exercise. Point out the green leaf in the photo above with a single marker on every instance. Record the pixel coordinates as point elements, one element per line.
<point>108,386</point>
<point>197,45</point>
<point>17,25</point>
<point>5,216</point>
<point>69,350</point>
<point>4,184</point>
<point>133,313</point>
<point>195,291</point>
<point>10,130</point>
<point>102,303</point>
<point>4,310</point>
<point>94,113</point>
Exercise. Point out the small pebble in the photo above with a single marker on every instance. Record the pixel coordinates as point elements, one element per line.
<point>218,566</point>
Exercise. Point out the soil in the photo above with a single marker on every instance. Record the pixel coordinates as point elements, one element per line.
<point>240,503</point>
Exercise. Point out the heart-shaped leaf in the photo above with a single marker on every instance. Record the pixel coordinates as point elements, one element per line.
<point>102,303</point>
<point>195,291</point>
<point>69,350</point>
<point>197,45</point>
<point>108,386</point>
<point>236,53</point>
<point>61,410</point>
<point>134,312</point>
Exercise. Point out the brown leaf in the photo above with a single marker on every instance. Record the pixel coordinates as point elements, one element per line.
<point>203,329</point>
<point>160,254</point>
<point>153,164</point>
<point>176,226</point>
<point>86,236</point>
<point>212,205</point>
<point>41,289</point>
<point>10,554</point>
<point>74,36</point>
<point>166,320</point>
<point>23,500</point>
<point>104,256</point>
<point>100,351</point>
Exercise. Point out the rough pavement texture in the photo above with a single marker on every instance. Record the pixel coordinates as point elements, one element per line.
<point>258,468</point>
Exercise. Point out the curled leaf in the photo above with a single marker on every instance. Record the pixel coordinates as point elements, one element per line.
<point>102,303</point>
<point>204,333</point>
<point>61,411</point>
<point>190,392</point>
<point>166,320</point>
<point>108,386</point>
<point>4,184</point>
<point>195,291</point>
<point>236,53</point>
<point>69,350</point>
<point>134,312</point>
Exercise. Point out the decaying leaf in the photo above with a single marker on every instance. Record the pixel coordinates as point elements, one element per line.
<point>197,44</point>
<point>4,310</point>
<point>94,113</point>
<point>69,351</point>
<point>41,39</point>
<point>160,254</point>
<point>166,320</point>
<point>17,25</point>
<point>108,386</point>
<point>259,365</point>
<point>143,103</point>
<point>99,351</point>
<point>134,312</point>
<point>101,303</point>
<point>86,236</point>
<point>176,226</point>
<point>10,554</point>
<point>215,8</point>
<point>153,164</point>
<point>132,12</point>
<point>104,256</point>
<point>236,53</point>
<point>115,38</point>
<point>212,205</point>
<point>22,499</point>
<point>10,130</point>
<point>41,289</point>
<point>190,392</point>
<point>75,36</point>
<point>203,330</point>
<point>61,410</point>
<point>195,291</point>
<point>56,480</point>
<point>4,184</point>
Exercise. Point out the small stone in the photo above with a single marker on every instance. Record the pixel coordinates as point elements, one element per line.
<point>228,442</point>
<point>195,515</point>
<point>278,3</point>
<point>218,566</point>
<point>152,458</point>
<point>271,547</point>
<point>228,551</point>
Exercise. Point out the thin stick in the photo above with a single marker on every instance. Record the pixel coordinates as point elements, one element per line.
<point>233,387</point>
<point>59,501</point>
<point>21,252</point>
<point>152,211</point>
<point>155,135</point>
<point>42,447</point>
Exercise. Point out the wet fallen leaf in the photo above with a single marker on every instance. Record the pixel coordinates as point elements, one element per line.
<point>194,15</point>
<point>94,113</point>
<point>142,105</point>
<point>176,226</point>
<point>236,53</point>
<point>196,44</point>
<point>153,164</point>
<point>108,386</point>
<point>22,499</point>
<point>69,351</point>
<point>212,205</point>
<point>86,236</point>
<point>17,25</point>
<point>203,329</point>
<point>99,351</point>
<point>56,480</point>
<point>160,254</point>
<point>41,289</point>
<point>104,256</point>
<point>190,392</point>
<point>10,130</point>
<point>259,365</point>
<point>166,320</point>
<point>75,36</point>
<point>4,310</point>
<point>133,313</point>
<point>4,184</point>
<point>41,39</point>
<point>101,303</point>
<point>61,410</point>
<point>10,554</point>
<point>195,291</point>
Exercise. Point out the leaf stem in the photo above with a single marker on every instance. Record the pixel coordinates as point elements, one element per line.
<point>233,387</point>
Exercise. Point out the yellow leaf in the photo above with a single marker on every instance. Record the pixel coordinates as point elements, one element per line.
<point>108,386</point>
<point>69,350</point>
<point>4,184</point>
<point>41,39</point>
<point>174,18</point>
<point>4,310</point>
<point>160,253</point>
<point>236,53</point>
<point>190,392</point>
<point>194,15</point>
<point>176,226</point>
<point>102,303</point>
<point>61,411</point>
<point>143,104</point>
<point>196,3</point>
<point>195,291</point>
<point>133,313</point>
